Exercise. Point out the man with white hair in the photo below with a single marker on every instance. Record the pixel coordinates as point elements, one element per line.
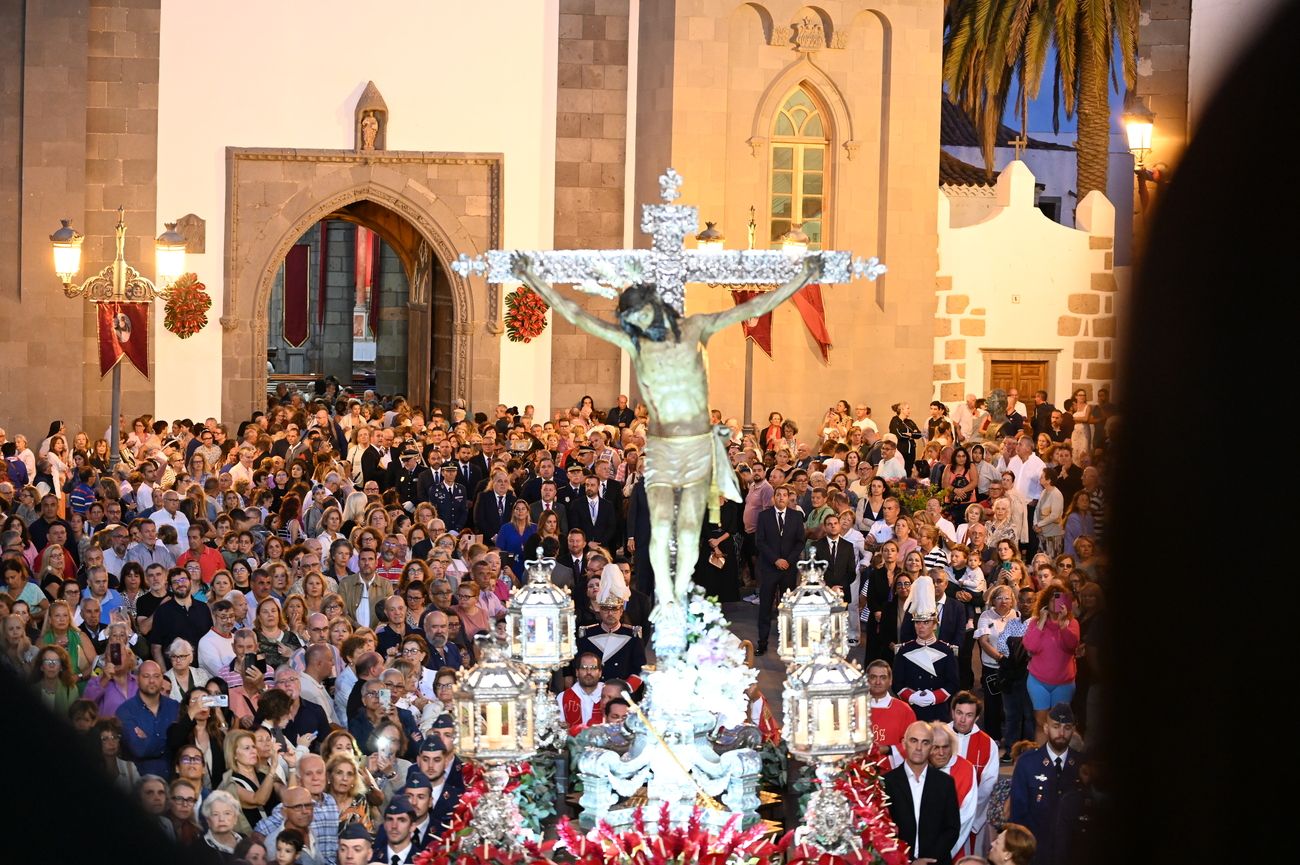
<point>963,417</point>
<point>944,757</point>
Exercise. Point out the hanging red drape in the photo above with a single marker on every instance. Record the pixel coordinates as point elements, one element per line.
<point>761,329</point>
<point>809,302</point>
<point>297,295</point>
<point>367,253</point>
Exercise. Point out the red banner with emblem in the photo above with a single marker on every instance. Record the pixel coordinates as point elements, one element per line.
<point>123,330</point>
<point>809,302</point>
<point>758,329</point>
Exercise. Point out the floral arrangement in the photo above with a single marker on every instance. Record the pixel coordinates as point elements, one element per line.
<point>878,844</point>
<point>525,315</point>
<point>914,500</point>
<point>710,676</point>
<point>692,844</point>
<point>186,311</point>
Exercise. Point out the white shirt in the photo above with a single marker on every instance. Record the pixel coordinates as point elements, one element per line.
<point>866,423</point>
<point>400,854</point>
<point>1052,756</point>
<point>363,605</point>
<point>113,562</point>
<point>918,787</point>
<point>987,779</point>
<point>1028,474</point>
<point>963,418</point>
<point>892,469</point>
<point>178,521</point>
<point>144,497</point>
<point>216,652</point>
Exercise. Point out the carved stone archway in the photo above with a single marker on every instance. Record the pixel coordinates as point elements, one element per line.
<point>453,202</point>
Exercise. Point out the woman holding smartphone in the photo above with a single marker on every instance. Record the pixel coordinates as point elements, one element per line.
<point>202,727</point>
<point>1050,640</point>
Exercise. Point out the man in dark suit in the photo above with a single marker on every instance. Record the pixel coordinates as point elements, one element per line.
<point>468,472</point>
<point>291,446</point>
<point>492,508</point>
<point>547,501</point>
<point>1040,780</point>
<point>532,490</point>
<point>594,515</point>
<point>574,557</point>
<point>779,538</point>
<point>638,538</point>
<point>838,555</point>
<point>930,826</point>
<point>620,415</point>
<point>561,575</point>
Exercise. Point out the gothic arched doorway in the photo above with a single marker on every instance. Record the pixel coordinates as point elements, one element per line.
<point>429,208</point>
<point>361,297</point>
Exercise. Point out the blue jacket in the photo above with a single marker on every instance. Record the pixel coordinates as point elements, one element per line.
<point>452,505</point>
<point>1036,793</point>
<point>148,752</point>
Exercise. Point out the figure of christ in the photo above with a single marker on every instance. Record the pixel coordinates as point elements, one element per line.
<point>684,460</point>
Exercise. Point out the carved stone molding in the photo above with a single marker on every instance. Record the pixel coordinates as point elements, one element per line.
<point>756,144</point>
<point>195,231</point>
<point>257,240</point>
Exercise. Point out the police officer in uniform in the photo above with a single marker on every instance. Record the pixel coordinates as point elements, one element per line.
<point>404,476</point>
<point>450,499</point>
<point>1043,778</point>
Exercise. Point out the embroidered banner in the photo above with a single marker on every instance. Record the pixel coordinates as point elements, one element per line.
<point>123,330</point>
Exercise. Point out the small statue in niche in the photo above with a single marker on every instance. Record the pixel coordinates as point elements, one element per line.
<point>369,130</point>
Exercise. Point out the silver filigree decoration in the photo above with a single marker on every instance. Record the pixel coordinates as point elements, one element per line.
<point>868,268</point>
<point>670,183</point>
<point>829,822</point>
<point>466,264</point>
<point>668,264</point>
<point>812,567</point>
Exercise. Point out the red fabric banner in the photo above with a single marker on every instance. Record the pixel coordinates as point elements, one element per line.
<point>296,295</point>
<point>123,330</point>
<point>320,276</point>
<point>809,302</point>
<point>367,247</point>
<point>757,329</point>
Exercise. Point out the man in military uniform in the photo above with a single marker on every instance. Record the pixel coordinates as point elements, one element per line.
<point>925,669</point>
<point>573,488</point>
<point>404,476</point>
<point>619,646</point>
<point>450,499</point>
<point>1042,778</point>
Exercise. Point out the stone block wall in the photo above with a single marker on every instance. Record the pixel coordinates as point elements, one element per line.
<point>1018,286</point>
<point>121,171</point>
<point>590,156</point>
<point>1164,39</point>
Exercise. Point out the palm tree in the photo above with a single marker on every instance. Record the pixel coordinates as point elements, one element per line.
<point>991,43</point>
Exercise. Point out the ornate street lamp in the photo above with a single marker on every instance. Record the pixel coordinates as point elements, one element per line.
<point>827,720</point>
<point>494,726</point>
<point>710,239</point>
<point>1139,122</point>
<point>812,618</point>
<point>118,282</point>
<point>541,626</point>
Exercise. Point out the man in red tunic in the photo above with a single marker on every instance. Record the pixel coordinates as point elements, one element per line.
<point>889,715</point>
<point>981,751</point>
<point>943,756</point>
<point>580,703</point>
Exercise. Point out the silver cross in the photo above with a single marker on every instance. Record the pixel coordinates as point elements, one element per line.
<point>668,264</point>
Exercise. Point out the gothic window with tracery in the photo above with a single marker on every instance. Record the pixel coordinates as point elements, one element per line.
<point>800,143</point>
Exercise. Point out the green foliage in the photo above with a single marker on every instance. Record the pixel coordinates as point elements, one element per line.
<point>536,791</point>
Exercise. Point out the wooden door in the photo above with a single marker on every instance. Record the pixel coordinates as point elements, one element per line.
<point>1026,376</point>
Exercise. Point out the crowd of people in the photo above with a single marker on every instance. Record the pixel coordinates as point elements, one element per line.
<point>258,627</point>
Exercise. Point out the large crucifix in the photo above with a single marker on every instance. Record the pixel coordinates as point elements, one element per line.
<point>686,468</point>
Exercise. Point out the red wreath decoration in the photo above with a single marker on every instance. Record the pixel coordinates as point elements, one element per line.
<point>186,312</point>
<point>525,315</point>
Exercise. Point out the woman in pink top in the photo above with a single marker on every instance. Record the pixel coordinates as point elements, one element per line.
<point>1050,640</point>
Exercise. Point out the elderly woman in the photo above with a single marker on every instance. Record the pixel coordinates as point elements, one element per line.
<point>181,677</point>
<point>1001,609</point>
<point>221,813</point>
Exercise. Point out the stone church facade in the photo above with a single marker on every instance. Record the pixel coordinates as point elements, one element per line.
<point>553,130</point>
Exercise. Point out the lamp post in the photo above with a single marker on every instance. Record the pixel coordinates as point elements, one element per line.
<point>542,629</point>
<point>1139,122</point>
<point>118,282</point>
